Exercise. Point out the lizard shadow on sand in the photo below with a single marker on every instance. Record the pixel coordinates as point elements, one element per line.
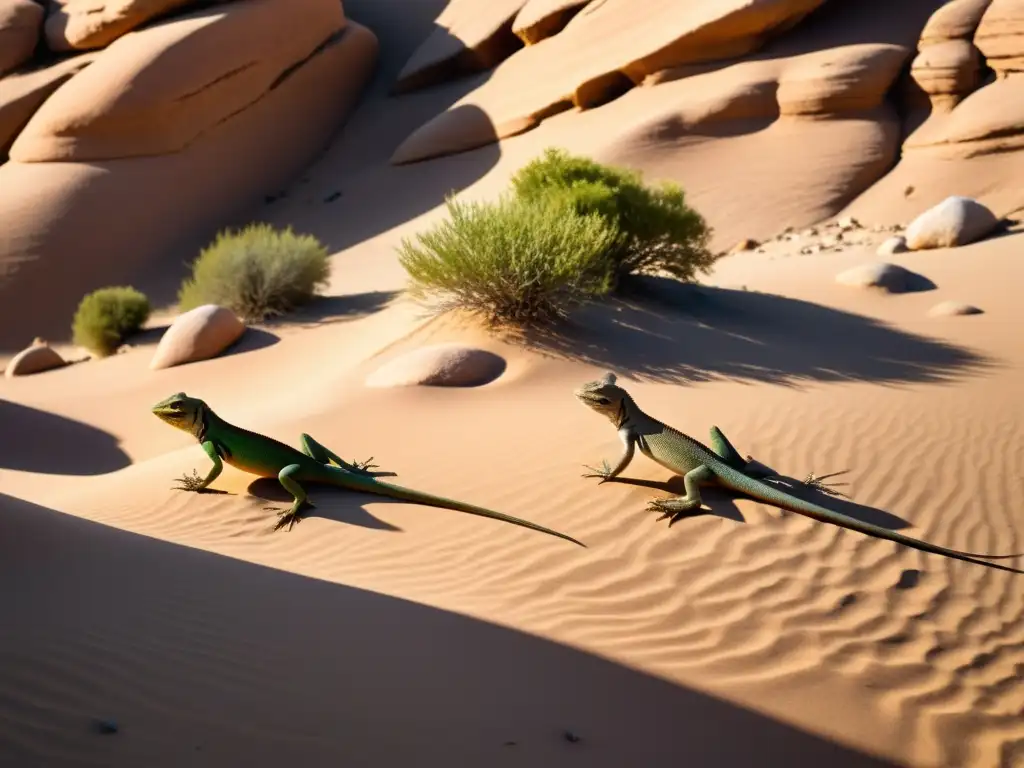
<point>328,502</point>
<point>671,332</point>
<point>721,502</point>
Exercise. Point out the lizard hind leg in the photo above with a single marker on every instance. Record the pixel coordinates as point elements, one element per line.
<point>292,515</point>
<point>325,455</point>
<point>681,506</point>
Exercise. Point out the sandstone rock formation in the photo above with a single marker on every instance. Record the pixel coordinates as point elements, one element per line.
<point>539,19</point>
<point>955,221</point>
<point>88,24</point>
<point>470,37</point>
<point>22,93</point>
<point>163,127</point>
<point>20,23</point>
<point>198,334</point>
<point>599,54</point>
<point>439,365</point>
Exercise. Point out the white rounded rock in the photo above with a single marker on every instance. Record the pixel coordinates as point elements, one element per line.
<point>439,365</point>
<point>893,245</point>
<point>953,222</point>
<point>882,275</point>
<point>198,334</point>
<point>953,309</point>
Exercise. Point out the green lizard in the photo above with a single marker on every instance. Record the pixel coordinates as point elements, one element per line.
<point>719,464</point>
<point>266,457</point>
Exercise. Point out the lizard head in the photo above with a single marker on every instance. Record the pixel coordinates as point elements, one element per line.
<point>603,395</point>
<point>180,411</point>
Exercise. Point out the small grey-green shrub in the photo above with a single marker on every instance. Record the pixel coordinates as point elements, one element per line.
<point>510,262</point>
<point>257,272</point>
<point>657,231</point>
<point>106,316</point>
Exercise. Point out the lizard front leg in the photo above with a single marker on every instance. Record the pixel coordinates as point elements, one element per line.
<point>679,507</point>
<point>199,484</point>
<point>607,473</point>
<point>324,455</point>
<point>289,480</point>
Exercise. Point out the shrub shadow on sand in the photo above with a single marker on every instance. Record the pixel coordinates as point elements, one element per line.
<point>684,333</point>
<point>374,679</point>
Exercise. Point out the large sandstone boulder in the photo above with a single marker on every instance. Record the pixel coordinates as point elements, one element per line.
<point>439,365</point>
<point>470,36</point>
<point>87,24</point>
<point>955,221</point>
<point>192,120</point>
<point>198,334</point>
<point>208,70</point>
<point>20,24</point>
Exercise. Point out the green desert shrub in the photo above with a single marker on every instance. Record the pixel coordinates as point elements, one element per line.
<point>257,272</point>
<point>657,231</point>
<point>107,316</point>
<point>510,262</point>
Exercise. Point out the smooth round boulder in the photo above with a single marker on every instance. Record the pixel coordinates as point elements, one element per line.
<point>953,222</point>
<point>198,334</point>
<point>439,365</point>
<point>882,275</point>
<point>953,309</point>
<point>34,359</point>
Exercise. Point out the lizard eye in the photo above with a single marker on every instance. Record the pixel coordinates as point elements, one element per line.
<point>603,400</point>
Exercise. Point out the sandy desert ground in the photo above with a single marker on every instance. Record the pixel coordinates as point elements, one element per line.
<point>379,633</point>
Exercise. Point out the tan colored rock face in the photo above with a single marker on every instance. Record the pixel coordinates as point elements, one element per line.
<point>591,60</point>
<point>157,91</point>
<point>955,20</point>
<point>951,68</point>
<point>1000,36</point>
<point>156,210</point>
<point>543,18</point>
<point>21,94</point>
<point>79,25</point>
<point>20,24</point>
<point>470,37</point>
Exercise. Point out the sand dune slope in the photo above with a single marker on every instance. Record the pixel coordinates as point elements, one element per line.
<point>881,649</point>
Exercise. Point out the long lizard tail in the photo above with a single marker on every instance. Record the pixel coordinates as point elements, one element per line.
<point>351,481</point>
<point>737,481</point>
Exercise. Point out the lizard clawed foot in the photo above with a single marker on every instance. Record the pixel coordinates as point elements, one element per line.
<point>365,468</point>
<point>189,483</point>
<point>605,472</point>
<point>812,481</point>
<point>287,517</point>
<point>674,509</point>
